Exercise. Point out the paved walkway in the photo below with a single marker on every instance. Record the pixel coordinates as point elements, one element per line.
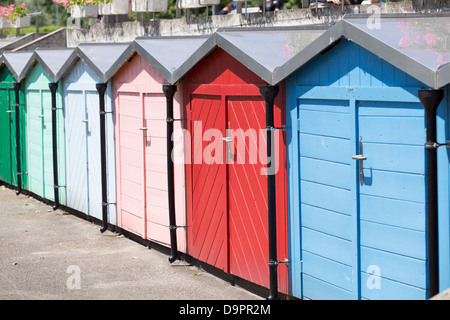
<point>52,255</point>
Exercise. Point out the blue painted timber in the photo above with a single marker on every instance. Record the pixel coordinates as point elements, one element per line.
<point>353,240</point>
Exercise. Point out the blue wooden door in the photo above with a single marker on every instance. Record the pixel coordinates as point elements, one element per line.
<point>360,168</point>
<point>77,191</point>
<point>83,151</point>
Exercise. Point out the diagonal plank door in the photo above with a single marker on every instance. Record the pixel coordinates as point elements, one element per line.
<point>247,188</point>
<point>229,214</point>
<point>208,235</point>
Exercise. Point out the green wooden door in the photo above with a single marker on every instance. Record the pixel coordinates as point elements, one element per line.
<point>6,158</point>
<point>39,132</point>
<point>8,155</point>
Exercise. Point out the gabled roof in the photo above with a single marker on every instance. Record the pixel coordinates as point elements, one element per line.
<point>18,63</point>
<point>262,50</point>
<point>265,50</point>
<point>56,61</point>
<point>419,45</point>
<point>169,54</point>
<point>104,58</point>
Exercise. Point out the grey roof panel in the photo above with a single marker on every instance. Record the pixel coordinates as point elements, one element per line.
<point>169,54</point>
<point>265,50</point>
<point>414,43</point>
<point>272,48</point>
<point>56,61</point>
<point>104,58</point>
<point>425,39</point>
<point>18,63</point>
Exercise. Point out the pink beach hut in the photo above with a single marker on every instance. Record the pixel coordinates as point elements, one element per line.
<point>141,121</point>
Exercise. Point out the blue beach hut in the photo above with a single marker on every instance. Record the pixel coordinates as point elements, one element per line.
<point>90,153</point>
<point>368,216</point>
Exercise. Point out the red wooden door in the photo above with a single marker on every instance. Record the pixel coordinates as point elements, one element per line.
<point>227,210</point>
<point>208,241</point>
<point>228,214</point>
<point>247,190</point>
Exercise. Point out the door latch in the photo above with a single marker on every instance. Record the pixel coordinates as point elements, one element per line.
<point>229,155</point>
<point>360,157</point>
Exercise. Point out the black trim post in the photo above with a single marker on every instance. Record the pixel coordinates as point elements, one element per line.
<point>53,87</point>
<point>16,86</point>
<point>430,100</point>
<point>269,93</point>
<point>101,89</point>
<point>169,91</point>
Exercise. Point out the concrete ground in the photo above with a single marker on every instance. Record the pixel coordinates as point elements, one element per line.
<point>52,255</point>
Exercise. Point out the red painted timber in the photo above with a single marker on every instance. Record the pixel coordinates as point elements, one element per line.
<point>227,203</point>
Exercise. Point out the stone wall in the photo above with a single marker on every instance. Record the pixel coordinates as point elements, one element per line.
<point>53,39</point>
<point>128,31</point>
<point>18,42</point>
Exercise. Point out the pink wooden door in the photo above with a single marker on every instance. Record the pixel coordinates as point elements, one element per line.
<point>130,149</point>
<point>157,209</point>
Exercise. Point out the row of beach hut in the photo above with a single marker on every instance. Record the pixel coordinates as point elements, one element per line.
<point>311,161</point>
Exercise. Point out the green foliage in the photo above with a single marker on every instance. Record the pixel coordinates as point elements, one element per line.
<point>70,3</point>
<point>30,29</point>
<point>46,7</point>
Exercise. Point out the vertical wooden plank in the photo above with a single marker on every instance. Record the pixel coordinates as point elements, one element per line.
<point>35,158</point>
<point>6,137</point>
<point>94,177</point>
<point>179,170</point>
<point>292,120</point>
<point>443,129</point>
<point>110,150</point>
<point>61,144</point>
<point>47,138</point>
<point>23,136</point>
<point>354,208</point>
